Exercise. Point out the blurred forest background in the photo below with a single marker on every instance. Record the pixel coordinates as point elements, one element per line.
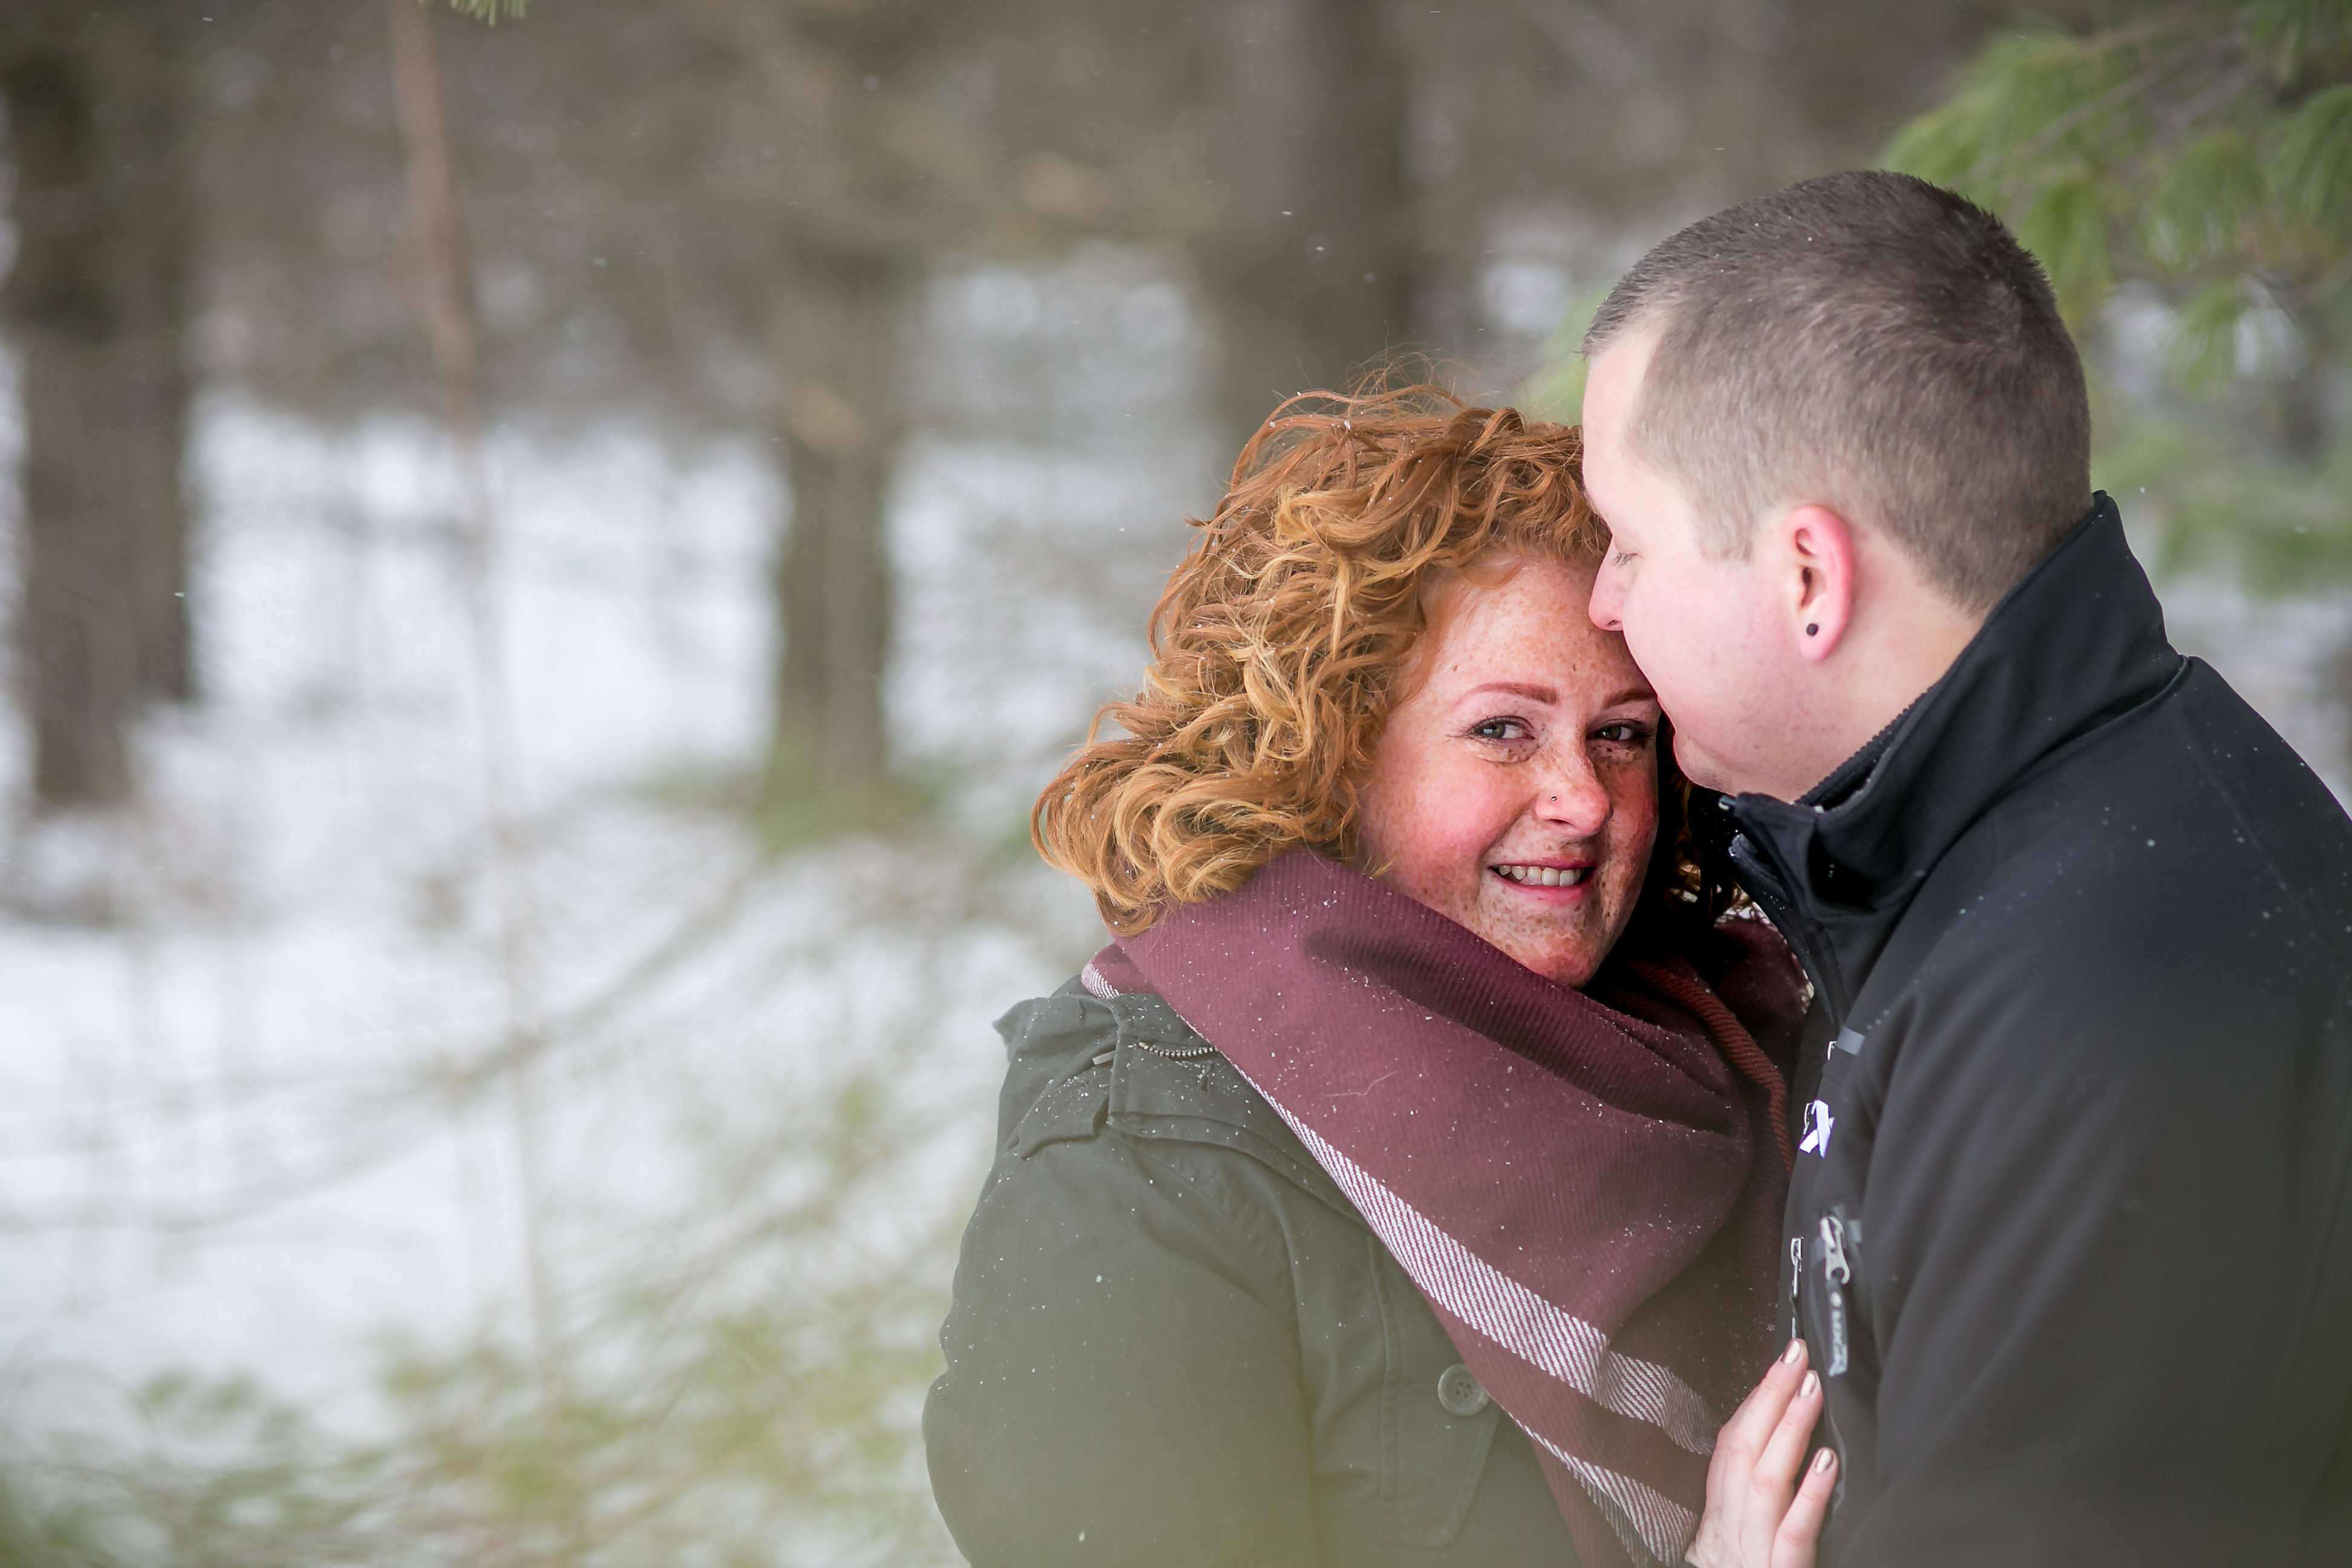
<point>550,553</point>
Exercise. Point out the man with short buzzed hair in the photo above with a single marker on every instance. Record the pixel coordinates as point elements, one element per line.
<point>2067,1240</point>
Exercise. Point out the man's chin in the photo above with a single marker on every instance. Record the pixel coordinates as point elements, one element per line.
<point>1701,768</point>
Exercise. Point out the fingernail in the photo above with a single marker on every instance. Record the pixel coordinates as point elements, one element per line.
<point>1823,1460</point>
<point>1806,1389</point>
<point>1794,1353</point>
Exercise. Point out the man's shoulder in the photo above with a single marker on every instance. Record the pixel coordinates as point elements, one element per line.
<point>2183,872</point>
<point>2190,826</point>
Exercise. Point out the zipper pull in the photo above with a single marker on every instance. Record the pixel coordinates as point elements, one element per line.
<point>1796,1284</point>
<point>1833,1261</point>
<point>1836,1272</point>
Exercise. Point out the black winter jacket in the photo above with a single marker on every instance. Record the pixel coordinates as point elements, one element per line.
<point>2068,1232</point>
<point>1175,1342</point>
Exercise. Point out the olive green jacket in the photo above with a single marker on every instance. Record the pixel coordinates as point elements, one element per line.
<point>1174,1341</point>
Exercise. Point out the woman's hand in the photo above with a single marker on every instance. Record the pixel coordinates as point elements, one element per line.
<point>1752,1519</point>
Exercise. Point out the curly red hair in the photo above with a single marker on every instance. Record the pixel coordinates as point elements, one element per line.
<point>1285,639</point>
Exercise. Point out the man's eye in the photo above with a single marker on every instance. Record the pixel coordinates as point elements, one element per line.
<point>1501,729</point>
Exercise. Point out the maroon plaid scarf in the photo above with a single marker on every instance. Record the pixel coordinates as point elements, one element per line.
<point>1587,1187</point>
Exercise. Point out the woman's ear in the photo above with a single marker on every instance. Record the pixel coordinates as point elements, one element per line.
<point>1815,563</point>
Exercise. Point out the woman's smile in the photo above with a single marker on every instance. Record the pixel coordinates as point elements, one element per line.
<point>1564,879</point>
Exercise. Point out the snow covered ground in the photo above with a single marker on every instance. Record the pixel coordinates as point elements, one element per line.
<point>264,1117</point>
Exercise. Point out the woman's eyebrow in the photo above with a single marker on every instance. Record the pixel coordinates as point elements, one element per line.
<point>1517,688</point>
<point>1550,694</point>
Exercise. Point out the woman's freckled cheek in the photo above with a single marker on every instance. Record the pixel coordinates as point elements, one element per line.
<point>1439,831</point>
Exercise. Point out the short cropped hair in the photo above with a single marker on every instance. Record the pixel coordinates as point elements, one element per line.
<point>1870,342</point>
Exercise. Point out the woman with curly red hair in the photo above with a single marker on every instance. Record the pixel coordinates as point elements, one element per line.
<point>1402,1184</point>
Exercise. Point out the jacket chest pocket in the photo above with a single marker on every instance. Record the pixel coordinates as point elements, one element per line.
<point>1437,1424</point>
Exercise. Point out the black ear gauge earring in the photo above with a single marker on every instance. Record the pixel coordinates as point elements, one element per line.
<point>1814,631</point>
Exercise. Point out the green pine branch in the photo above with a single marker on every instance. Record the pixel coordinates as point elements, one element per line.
<point>2200,154</point>
<point>2205,148</point>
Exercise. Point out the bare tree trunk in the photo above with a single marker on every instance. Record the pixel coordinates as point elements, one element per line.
<point>75,623</point>
<point>96,302</point>
<point>841,331</point>
<point>147,121</point>
<point>1312,272</point>
<point>445,297</point>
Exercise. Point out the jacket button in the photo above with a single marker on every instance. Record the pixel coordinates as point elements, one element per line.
<point>1459,1392</point>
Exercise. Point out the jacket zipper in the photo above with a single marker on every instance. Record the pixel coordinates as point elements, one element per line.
<point>1835,1274</point>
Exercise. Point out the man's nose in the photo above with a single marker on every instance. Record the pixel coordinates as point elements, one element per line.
<point>1571,796</point>
<point>1607,603</point>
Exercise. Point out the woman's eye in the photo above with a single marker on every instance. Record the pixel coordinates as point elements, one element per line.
<point>1624,733</point>
<point>1500,730</point>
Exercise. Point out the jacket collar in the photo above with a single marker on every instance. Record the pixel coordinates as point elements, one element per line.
<point>2076,643</point>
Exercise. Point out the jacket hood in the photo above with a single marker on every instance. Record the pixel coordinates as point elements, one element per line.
<point>2076,644</point>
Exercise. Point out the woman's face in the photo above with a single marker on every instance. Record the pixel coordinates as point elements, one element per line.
<point>1516,789</point>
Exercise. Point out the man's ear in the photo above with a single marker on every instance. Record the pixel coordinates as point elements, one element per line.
<point>1816,551</point>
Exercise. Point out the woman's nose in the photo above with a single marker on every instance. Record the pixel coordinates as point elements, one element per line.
<point>1572,796</point>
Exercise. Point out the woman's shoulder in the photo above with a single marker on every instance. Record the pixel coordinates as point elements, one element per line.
<point>1049,1043</point>
<point>1125,1070</point>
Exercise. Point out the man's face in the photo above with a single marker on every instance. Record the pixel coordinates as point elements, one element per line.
<point>1704,631</point>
